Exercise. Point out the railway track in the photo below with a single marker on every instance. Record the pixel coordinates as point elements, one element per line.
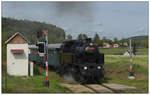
<point>98,88</point>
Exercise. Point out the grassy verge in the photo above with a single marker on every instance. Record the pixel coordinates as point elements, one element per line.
<point>34,84</point>
<point>117,71</point>
<point>121,51</point>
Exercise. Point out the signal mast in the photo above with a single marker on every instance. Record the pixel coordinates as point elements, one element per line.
<point>43,52</point>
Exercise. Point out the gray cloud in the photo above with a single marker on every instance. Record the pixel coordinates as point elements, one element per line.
<point>111,19</point>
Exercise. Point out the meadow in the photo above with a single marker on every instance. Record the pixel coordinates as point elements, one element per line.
<point>117,71</point>
<point>116,67</point>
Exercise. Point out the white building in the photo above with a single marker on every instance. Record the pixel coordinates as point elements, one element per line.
<point>17,55</point>
<point>106,45</point>
<point>115,45</point>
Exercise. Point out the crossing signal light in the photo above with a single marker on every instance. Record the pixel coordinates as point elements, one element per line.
<point>41,47</point>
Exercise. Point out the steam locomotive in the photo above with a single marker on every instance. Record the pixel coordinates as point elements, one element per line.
<point>81,58</point>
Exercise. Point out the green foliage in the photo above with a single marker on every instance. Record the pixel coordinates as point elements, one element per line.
<point>115,40</point>
<point>82,36</point>
<point>97,40</point>
<point>144,43</point>
<point>104,39</point>
<point>29,30</point>
<point>122,41</point>
<point>109,41</point>
<point>69,37</point>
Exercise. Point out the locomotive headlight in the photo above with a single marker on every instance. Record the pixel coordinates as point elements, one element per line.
<point>85,68</point>
<point>99,67</point>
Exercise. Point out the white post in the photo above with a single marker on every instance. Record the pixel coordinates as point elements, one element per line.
<point>130,44</point>
<point>31,68</point>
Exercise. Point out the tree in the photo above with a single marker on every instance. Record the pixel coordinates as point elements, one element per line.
<point>82,36</point>
<point>134,42</point>
<point>144,43</point>
<point>79,37</point>
<point>69,37</point>
<point>29,28</point>
<point>115,40</point>
<point>109,41</point>
<point>96,38</point>
<point>104,39</point>
<point>122,41</point>
<point>100,43</point>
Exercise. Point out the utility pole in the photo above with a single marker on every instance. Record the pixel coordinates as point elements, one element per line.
<point>131,74</point>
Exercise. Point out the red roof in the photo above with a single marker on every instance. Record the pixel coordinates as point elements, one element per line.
<point>105,44</point>
<point>17,50</point>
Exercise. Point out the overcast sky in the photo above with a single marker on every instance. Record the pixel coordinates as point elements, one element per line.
<point>110,19</point>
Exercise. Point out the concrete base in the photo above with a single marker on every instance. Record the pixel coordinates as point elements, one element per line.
<point>46,83</point>
<point>131,77</point>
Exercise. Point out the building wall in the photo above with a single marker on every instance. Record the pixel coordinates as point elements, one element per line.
<point>17,64</point>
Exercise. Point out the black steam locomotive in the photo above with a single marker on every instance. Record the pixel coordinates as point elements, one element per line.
<point>81,58</point>
<point>86,62</point>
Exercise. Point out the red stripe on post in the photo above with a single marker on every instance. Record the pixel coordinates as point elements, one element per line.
<point>46,68</point>
<point>43,67</point>
<point>46,59</point>
<point>130,63</point>
<point>46,78</point>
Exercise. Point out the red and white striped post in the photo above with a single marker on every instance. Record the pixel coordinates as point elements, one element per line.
<point>46,83</point>
<point>130,62</point>
<point>46,68</point>
<point>131,74</point>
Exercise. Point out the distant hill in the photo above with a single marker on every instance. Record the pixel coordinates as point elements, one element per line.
<point>29,30</point>
<point>138,38</point>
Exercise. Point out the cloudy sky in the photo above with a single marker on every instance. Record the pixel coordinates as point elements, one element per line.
<point>110,19</point>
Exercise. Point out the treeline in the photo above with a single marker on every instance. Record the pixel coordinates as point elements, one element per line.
<point>29,30</point>
<point>138,41</point>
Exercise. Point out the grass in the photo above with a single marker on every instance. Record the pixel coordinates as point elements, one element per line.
<point>117,71</point>
<point>121,51</point>
<point>34,84</point>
